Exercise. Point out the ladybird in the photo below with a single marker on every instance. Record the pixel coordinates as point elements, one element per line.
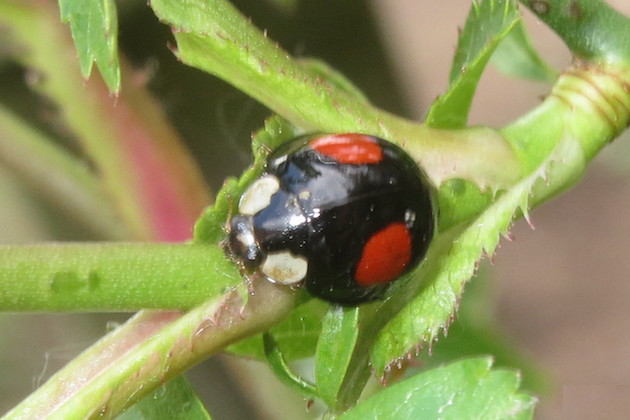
<point>343,214</point>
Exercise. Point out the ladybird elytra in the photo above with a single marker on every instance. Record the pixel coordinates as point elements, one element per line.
<point>353,149</point>
<point>385,255</point>
<point>343,214</point>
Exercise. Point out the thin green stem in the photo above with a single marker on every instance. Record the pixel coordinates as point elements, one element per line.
<point>111,277</point>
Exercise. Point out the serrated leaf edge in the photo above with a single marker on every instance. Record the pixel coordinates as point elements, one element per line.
<point>480,237</point>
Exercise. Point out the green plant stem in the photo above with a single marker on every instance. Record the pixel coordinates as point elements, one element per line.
<point>57,175</point>
<point>590,105</point>
<point>590,102</point>
<point>213,36</point>
<point>111,277</point>
<point>87,388</point>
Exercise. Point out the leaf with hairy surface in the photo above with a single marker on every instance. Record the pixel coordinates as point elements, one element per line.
<point>488,22</point>
<point>429,303</point>
<point>468,389</point>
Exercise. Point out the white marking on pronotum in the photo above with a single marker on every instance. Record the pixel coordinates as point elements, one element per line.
<point>258,195</point>
<point>284,268</point>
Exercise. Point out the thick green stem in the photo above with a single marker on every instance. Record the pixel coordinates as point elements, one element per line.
<point>590,104</point>
<point>91,388</point>
<point>112,277</point>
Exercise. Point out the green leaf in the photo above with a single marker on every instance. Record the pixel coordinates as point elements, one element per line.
<point>321,69</point>
<point>468,389</point>
<point>461,200</point>
<point>94,27</point>
<point>477,332</point>
<point>487,24</point>
<point>516,56</point>
<point>335,348</point>
<point>296,336</point>
<point>175,400</point>
<point>428,304</point>
<point>278,364</point>
<point>214,37</point>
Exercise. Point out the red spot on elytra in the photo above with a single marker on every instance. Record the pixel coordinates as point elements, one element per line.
<point>355,149</point>
<point>385,256</point>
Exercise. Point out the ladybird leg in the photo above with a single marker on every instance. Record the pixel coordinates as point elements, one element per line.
<point>249,282</point>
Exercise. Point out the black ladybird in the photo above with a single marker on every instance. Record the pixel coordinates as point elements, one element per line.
<point>345,214</point>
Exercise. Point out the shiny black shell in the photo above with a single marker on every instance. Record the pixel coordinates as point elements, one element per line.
<point>327,207</point>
